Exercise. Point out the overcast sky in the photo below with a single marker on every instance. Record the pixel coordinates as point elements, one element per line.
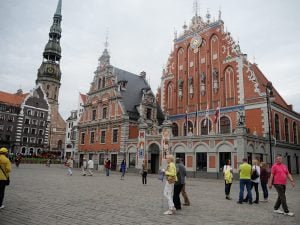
<point>141,36</point>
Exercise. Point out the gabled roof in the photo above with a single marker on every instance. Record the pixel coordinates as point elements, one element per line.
<point>12,99</point>
<point>83,98</point>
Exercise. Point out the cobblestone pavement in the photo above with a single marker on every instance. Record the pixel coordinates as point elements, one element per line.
<point>40,195</point>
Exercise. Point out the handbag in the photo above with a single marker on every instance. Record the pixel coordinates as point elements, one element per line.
<point>171,179</point>
<point>7,177</point>
<point>254,175</point>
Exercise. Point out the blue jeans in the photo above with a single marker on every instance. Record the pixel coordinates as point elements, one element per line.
<point>107,171</point>
<point>265,189</point>
<point>247,183</point>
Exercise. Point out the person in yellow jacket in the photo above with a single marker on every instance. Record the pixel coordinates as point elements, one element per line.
<point>170,173</point>
<point>4,173</point>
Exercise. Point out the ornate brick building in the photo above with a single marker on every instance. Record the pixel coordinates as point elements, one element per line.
<point>220,105</point>
<point>118,102</point>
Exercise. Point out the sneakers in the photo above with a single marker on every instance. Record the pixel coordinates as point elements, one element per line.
<point>278,211</point>
<point>2,206</point>
<point>168,212</point>
<point>289,214</point>
<point>228,198</point>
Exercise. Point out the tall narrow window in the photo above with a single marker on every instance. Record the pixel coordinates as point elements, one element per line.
<point>99,83</point>
<point>82,138</point>
<point>277,129</point>
<point>102,136</point>
<point>170,96</point>
<point>94,114</point>
<point>115,135</point>
<point>175,129</point>
<point>149,114</point>
<point>286,130</point>
<point>229,87</point>
<point>188,127</point>
<point>104,113</point>
<point>103,82</point>
<point>205,126</point>
<point>295,133</point>
<point>92,138</point>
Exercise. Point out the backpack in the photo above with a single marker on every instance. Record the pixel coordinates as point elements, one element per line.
<point>255,174</point>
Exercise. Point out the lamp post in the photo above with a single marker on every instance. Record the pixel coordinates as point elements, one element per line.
<point>270,96</point>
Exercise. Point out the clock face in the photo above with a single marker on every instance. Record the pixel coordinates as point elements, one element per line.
<point>50,70</point>
<point>196,42</point>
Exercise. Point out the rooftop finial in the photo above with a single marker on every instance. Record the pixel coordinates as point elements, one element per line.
<point>196,7</point>
<point>58,8</point>
<point>106,39</point>
<point>220,13</point>
<point>208,16</point>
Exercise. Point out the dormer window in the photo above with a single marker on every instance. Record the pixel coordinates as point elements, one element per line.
<point>149,112</point>
<point>122,84</point>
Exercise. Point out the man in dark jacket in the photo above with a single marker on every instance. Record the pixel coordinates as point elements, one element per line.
<point>181,173</point>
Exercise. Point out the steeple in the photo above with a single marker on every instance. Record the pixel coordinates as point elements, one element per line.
<point>104,59</point>
<point>49,74</point>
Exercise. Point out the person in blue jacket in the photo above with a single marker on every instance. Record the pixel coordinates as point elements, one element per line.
<point>123,169</point>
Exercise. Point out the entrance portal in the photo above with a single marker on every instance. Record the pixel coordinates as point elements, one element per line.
<point>153,151</point>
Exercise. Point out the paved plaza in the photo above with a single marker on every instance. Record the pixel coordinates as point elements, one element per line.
<point>40,195</point>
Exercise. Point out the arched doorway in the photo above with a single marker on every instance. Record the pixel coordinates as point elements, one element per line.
<point>153,151</point>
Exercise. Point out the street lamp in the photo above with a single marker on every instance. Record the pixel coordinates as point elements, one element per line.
<point>270,98</point>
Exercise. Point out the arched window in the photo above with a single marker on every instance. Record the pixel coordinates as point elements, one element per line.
<point>170,96</point>
<point>99,83</point>
<point>103,82</point>
<point>286,130</point>
<point>225,125</point>
<point>277,129</point>
<point>229,87</point>
<point>295,133</point>
<point>190,128</point>
<point>205,124</point>
<point>175,129</point>
<point>23,151</point>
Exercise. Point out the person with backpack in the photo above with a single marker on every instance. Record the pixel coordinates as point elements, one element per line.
<point>228,177</point>
<point>255,180</point>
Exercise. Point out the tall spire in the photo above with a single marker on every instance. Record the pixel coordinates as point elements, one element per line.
<point>104,59</point>
<point>196,7</point>
<point>58,8</point>
<point>49,74</point>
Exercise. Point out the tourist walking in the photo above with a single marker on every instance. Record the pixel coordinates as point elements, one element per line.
<point>90,166</point>
<point>245,175</point>
<point>123,169</point>
<point>5,168</point>
<point>144,172</point>
<point>183,189</point>
<point>170,173</point>
<point>180,173</point>
<point>279,176</point>
<point>107,166</point>
<point>264,177</point>
<point>228,177</point>
<point>255,179</point>
<point>69,165</point>
<point>83,166</point>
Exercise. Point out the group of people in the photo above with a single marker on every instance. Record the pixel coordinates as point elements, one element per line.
<point>251,176</point>
<point>175,184</point>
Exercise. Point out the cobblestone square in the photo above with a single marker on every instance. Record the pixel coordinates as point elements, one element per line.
<point>41,195</point>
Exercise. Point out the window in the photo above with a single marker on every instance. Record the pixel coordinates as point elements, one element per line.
<point>36,114</point>
<point>7,137</point>
<point>59,144</point>
<point>9,128</point>
<point>295,133</point>
<point>42,115</point>
<point>29,112</point>
<point>32,140</point>
<point>33,131</point>
<point>132,157</point>
<point>10,118</point>
<point>1,127</point>
<point>94,114</point>
<point>26,130</point>
<point>205,124</point>
<point>24,139</point>
<point>103,136</point>
<point>170,96</point>
<point>34,122</point>
<point>115,135</point>
<point>103,82</point>
<point>224,125</point>
<point>82,138</point>
<point>40,141</point>
<point>99,83</point>
<point>175,129</point>
<point>69,125</point>
<point>277,131</point>
<point>101,159</point>
<point>41,132</point>
<point>286,130</point>
<point>68,134</point>
<point>42,123</point>
<point>189,127</point>
<point>201,161</point>
<point>27,121</point>
<point>104,113</point>
<point>2,117</point>
<point>149,113</point>
<point>92,138</point>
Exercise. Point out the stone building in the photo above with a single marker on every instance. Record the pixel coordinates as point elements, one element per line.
<point>221,106</point>
<point>71,143</point>
<point>49,76</point>
<point>118,102</point>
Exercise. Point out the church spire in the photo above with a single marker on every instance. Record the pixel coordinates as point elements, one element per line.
<point>49,74</point>
<point>104,59</point>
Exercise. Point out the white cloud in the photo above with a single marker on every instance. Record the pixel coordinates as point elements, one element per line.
<point>140,38</point>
